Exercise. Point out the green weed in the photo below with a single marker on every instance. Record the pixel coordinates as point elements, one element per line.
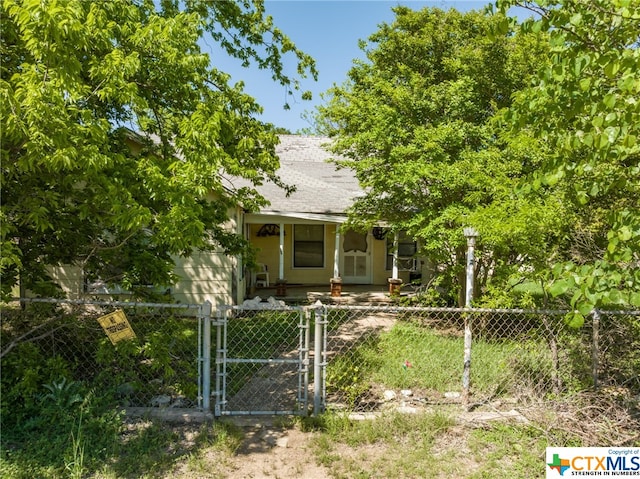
<point>391,445</point>
<point>508,451</point>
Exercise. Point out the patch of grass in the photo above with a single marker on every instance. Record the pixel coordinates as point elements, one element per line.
<point>391,445</point>
<point>435,359</point>
<point>219,439</point>
<point>508,451</point>
<point>398,446</point>
<point>141,449</point>
<point>391,427</point>
<point>431,356</point>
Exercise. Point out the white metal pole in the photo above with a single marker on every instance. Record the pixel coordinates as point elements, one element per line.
<point>394,272</point>
<point>206,355</point>
<point>281,262</point>
<point>471,242</point>
<point>471,235</point>
<point>317,360</point>
<point>336,254</point>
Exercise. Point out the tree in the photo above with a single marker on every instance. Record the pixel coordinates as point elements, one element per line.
<point>416,123</point>
<point>585,107</point>
<point>78,185</point>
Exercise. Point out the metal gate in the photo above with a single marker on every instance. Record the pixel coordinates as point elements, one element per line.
<point>261,360</point>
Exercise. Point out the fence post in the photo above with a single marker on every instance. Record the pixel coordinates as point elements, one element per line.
<point>595,347</point>
<point>305,344</point>
<point>221,356</point>
<point>471,235</point>
<point>205,315</point>
<point>318,358</point>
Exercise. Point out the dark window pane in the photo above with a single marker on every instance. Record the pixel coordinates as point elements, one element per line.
<point>308,246</point>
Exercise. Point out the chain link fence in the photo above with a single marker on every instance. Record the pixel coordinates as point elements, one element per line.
<point>377,357</point>
<point>273,358</point>
<point>59,346</point>
<point>262,360</point>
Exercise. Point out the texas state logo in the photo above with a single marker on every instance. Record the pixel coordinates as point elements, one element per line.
<point>560,465</point>
<point>593,462</point>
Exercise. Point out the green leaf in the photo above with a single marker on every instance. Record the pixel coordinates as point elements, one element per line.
<point>588,139</point>
<point>582,197</point>
<point>559,287</point>
<point>612,68</point>
<point>502,26</point>
<point>585,84</point>
<point>613,296</point>
<point>552,179</point>
<point>574,320</point>
<point>576,19</point>
<point>609,100</point>
<point>585,308</point>
<point>624,233</point>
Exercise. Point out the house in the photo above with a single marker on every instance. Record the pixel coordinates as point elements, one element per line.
<point>299,239</point>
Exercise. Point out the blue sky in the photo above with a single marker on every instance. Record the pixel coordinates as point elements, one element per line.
<point>329,31</point>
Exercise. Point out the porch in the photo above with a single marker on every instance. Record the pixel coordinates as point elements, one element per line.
<point>350,294</point>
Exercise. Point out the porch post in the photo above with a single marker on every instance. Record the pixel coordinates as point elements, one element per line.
<point>336,280</point>
<point>394,272</point>
<point>281,262</point>
<point>394,282</point>
<point>336,254</point>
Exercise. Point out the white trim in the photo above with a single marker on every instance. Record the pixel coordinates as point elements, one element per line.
<point>394,262</point>
<point>292,218</point>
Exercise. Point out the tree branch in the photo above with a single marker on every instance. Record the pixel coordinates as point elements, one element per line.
<point>20,339</point>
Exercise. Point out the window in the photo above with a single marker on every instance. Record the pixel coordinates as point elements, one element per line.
<point>355,242</point>
<point>308,246</point>
<point>407,248</point>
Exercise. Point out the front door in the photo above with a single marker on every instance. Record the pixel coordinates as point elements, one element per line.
<point>356,258</point>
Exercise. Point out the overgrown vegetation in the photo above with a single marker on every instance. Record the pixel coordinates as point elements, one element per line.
<point>57,424</point>
<point>70,345</point>
<point>122,132</point>
<point>64,384</point>
<point>511,357</point>
<point>105,445</point>
<point>525,130</point>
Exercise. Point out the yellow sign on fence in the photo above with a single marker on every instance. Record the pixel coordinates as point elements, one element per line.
<point>116,326</point>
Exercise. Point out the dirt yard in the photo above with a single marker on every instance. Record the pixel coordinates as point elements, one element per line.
<point>267,451</point>
<point>271,450</point>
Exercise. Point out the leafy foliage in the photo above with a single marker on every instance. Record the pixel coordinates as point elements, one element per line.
<point>584,107</point>
<point>78,186</point>
<point>416,123</point>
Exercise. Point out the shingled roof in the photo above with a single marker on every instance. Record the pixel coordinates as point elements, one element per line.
<point>321,188</point>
